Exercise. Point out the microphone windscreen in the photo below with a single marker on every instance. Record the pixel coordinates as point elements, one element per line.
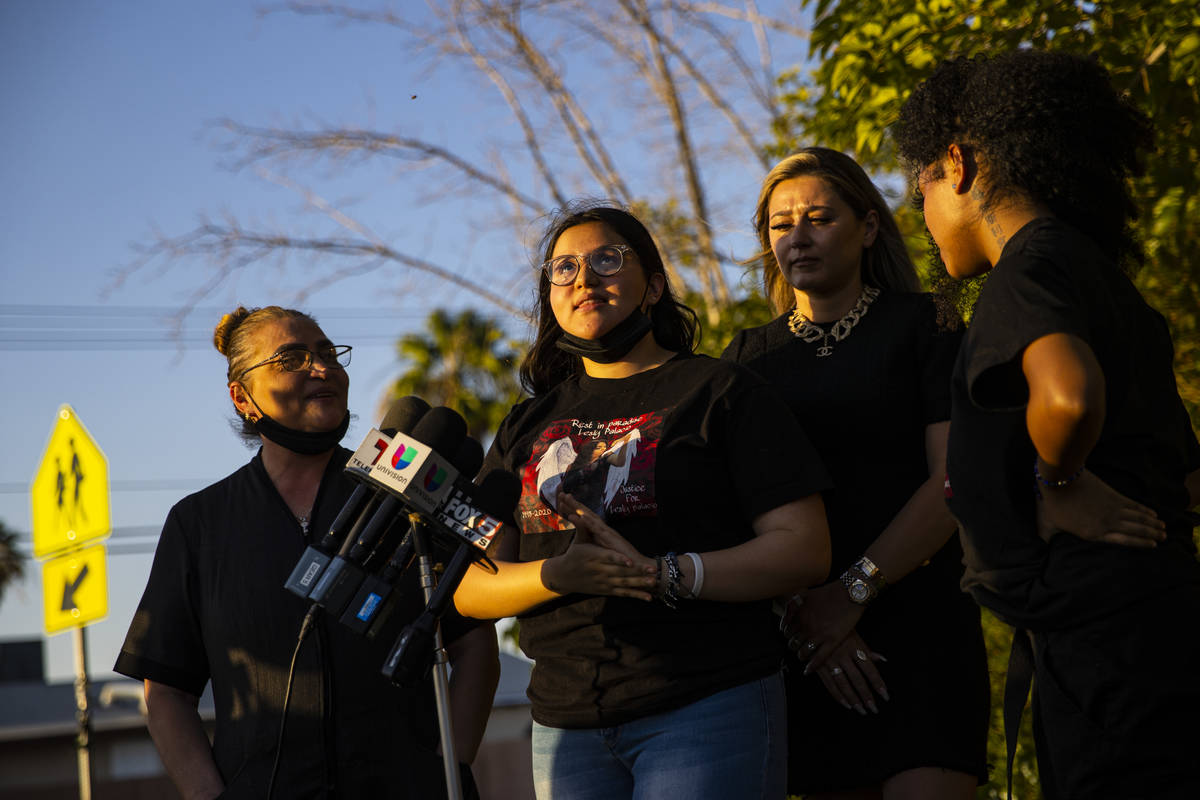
<point>441,429</point>
<point>469,457</point>
<point>403,415</point>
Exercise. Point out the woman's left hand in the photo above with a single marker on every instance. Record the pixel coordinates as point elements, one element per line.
<point>817,625</point>
<point>850,675</point>
<point>584,519</point>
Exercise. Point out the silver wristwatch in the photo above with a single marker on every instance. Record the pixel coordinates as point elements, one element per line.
<point>863,581</point>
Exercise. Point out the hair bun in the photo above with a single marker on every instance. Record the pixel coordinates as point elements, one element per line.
<point>229,323</point>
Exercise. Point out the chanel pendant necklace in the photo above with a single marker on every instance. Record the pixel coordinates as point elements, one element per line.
<point>807,330</point>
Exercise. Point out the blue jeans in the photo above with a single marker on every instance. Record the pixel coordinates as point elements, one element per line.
<point>732,744</point>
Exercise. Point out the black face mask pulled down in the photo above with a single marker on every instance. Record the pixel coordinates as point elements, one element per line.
<point>613,345</point>
<point>303,442</point>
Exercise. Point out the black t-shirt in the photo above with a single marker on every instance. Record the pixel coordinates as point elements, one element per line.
<point>866,407</point>
<point>1052,279</point>
<point>679,458</point>
<point>215,609</point>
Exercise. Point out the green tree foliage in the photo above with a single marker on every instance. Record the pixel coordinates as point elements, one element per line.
<point>464,361</point>
<point>871,53</point>
<point>12,563</point>
<point>675,233</point>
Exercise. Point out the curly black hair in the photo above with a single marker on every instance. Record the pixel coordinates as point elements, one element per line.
<point>1045,126</point>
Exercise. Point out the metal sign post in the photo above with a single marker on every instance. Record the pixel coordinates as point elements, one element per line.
<point>84,732</point>
<point>69,499</point>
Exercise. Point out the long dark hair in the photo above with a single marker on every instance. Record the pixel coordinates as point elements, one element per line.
<point>1045,126</point>
<point>886,264</point>
<point>676,326</point>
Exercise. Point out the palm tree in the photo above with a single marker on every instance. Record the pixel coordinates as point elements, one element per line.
<point>464,361</point>
<point>12,563</point>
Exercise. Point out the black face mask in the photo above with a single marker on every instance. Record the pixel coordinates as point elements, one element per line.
<point>613,345</point>
<point>303,442</point>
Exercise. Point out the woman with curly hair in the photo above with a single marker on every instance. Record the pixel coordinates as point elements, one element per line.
<point>1072,465</point>
<point>864,359</point>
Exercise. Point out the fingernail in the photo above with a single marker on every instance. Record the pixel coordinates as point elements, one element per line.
<point>871,705</point>
<point>845,705</point>
<point>806,671</point>
<point>881,657</point>
<point>858,707</point>
<point>883,693</point>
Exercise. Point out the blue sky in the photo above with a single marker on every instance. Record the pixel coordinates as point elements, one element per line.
<point>109,134</point>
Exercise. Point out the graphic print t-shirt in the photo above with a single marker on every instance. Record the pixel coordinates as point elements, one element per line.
<point>608,465</point>
<point>679,458</point>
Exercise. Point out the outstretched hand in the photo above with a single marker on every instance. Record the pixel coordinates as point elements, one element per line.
<point>599,560</point>
<point>1091,509</point>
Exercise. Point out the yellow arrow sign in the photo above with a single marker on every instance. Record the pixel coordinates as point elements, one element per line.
<point>69,496</point>
<point>75,589</point>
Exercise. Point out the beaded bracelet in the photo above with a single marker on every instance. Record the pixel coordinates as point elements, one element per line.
<point>673,593</point>
<point>1039,481</point>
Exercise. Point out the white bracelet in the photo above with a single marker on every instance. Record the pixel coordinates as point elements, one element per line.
<point>697,574</point>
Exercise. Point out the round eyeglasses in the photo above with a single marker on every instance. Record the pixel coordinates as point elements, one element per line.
<point>300,359</point>
<point>604,261</point>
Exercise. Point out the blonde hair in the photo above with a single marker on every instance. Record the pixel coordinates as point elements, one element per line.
<point>886,264</point>
<point>234,332</point>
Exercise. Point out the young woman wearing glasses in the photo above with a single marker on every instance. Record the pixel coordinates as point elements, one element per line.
<point>663,505</point>
<point>215,608</point>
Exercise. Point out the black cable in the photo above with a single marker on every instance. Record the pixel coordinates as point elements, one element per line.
<point>305,627</point>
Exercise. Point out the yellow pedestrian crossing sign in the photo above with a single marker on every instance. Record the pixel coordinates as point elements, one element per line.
<point>75,589</point>
<point>69,496</point>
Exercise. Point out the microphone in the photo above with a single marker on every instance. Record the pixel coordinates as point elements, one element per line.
<point>440,430</point>
<point>412,654</point>
<point>412,468</point>
<point>375,595</point>
<point>401,416</point>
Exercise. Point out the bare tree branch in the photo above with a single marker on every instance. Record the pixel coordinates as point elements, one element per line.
<point>278,143</point>
<point>694,58</point>
<point>711,275</point>
<point>230,248</point>
<point>764,48</point>
<point>745,15</point>
<point>764,92</point>
<point>575,120</point>
<point>531,138</point>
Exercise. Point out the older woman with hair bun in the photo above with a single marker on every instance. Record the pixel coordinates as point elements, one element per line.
<point>215,610</point>
<point>893,699</point>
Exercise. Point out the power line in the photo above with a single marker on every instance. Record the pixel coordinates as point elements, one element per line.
<point>103,327</point>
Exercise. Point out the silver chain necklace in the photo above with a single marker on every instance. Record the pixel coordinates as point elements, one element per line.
<point>807,330</point>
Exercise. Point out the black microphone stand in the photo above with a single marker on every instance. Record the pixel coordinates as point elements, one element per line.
<point>410,655</point>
